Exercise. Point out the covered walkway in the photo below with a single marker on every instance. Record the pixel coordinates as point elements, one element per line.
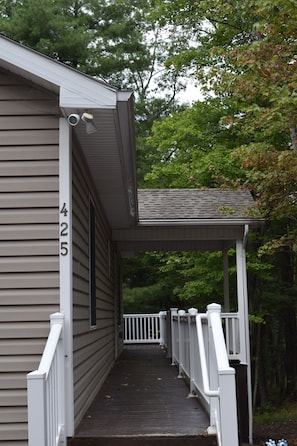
<point>143,397</point>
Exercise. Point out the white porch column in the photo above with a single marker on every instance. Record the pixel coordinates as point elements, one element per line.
<point>173,312</point>
<point>65,249</point>
<point>226,281</point>
<point>242,299</point>
<point>242,296</point>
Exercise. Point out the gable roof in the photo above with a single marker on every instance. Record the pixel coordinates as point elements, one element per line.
<point>75,88</point>
<point>110,152</point>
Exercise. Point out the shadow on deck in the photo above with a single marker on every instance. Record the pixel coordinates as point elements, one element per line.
<point>143,403</point>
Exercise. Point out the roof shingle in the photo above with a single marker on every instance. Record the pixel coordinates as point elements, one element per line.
<point>180,204</point>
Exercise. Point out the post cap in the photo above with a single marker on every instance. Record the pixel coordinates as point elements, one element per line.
<point>216,308</point>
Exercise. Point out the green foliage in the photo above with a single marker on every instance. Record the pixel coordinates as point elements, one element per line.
<point>58,28</point>
<point>146,299</point>
<point>115,40</point>
<point>244,53</point>
<point>268,415</point>
<point>256,319</point>
<point>193,148</point>
<point>185,279</point>
<point>147,286</point>
<point>197,276</point>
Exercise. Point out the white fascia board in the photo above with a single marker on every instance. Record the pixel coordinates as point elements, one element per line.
<point>199,222</point>
<point>70,99</point>
<point>124,95</point>
<point>73,84</point>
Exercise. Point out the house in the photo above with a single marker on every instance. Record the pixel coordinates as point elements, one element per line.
<point>69,209</point>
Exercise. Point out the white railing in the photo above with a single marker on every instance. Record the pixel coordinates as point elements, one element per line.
<point>163,329</point>
<point>230,323</point>
<point>199,349</point>
<point>46,391</point>
<point>142,328</point>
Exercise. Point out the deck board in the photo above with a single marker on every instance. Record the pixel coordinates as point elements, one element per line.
<point>143,396</point>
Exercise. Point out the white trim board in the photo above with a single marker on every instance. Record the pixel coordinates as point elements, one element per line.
<point>66,255</point>
<point>76,88</point>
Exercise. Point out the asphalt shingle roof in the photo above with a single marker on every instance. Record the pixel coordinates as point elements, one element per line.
<point>176,204</point>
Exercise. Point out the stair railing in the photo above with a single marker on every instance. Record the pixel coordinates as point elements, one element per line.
<point>230,323</point>
<point>200,351</point>
<point>46,391</point>
<point>218,377</point>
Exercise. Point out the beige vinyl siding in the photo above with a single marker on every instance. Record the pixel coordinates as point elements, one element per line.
<point>29,231</point>
<point>94,351</point>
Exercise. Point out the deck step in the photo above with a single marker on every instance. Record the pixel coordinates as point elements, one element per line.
<point>145,441</point>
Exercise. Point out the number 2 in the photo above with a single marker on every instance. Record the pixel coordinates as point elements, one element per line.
<point>64,227</point>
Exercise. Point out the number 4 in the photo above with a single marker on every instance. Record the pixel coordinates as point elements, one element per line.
<point>64,210</point>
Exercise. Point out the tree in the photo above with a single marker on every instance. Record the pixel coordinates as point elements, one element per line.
<point>57,28</point>
<point>252,59</point>
<point>247,53</point>
<point>116,40</point>
<point>193,147</point>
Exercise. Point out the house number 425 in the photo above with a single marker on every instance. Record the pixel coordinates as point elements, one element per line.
<point>64,249</point>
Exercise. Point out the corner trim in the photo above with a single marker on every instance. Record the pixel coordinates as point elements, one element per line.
<point>66,267</point>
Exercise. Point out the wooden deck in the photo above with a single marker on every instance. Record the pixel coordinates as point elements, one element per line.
<point>143,398</point>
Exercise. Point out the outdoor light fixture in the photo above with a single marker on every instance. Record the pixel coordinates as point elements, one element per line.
<point>87,118</point>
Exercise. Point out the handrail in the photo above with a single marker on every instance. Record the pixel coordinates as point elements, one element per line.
<point>50,349</point>
<point>199,348</point>
<point>214,312</point>
<point>203,364</point>
<point>46,391</point>
<point>223,400</point>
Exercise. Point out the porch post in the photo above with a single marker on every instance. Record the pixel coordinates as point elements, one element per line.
<point>226,281</point>
<point>65,249</point>
<point>173,312</point>
<point>242,299</point>
<point>242,295</point>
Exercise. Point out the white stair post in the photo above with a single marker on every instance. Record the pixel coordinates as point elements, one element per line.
<point>37,427</point>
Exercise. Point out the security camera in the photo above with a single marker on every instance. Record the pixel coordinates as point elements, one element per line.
<point>73,119</point>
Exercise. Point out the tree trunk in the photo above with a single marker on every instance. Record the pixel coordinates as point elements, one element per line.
<point>290,334</point>
<point>293,134</point>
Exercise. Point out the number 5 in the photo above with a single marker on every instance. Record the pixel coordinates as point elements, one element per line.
<point>64,248</point>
